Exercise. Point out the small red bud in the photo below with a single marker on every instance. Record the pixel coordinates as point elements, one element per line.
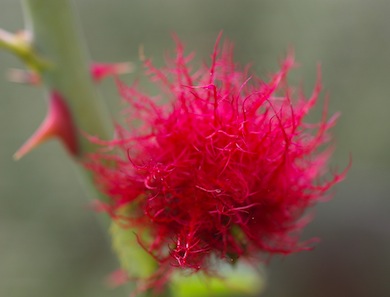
<point>102,70</point>
<point>24,77</point>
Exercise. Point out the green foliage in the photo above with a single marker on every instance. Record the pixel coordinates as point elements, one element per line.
<point>237,280</point>
<point>132,257</point>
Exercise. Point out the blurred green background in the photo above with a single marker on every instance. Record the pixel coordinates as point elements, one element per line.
<point>52,245</point>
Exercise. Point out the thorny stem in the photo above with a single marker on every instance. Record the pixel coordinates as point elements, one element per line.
<point>55,37</point>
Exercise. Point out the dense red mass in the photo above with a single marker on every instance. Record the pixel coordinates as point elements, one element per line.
<point>220,164</point>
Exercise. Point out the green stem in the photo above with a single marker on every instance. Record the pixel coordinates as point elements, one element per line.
<point>55,37</point>
<point>19,45</point>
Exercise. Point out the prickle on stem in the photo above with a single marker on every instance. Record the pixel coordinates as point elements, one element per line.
<point>58,123</point>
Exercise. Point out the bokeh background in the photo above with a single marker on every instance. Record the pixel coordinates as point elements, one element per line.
<point>51,244</point>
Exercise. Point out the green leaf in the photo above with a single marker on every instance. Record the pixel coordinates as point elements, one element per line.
<point>237,280</point>
<point>133,258</point>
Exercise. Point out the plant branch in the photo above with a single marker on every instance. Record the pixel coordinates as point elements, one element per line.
<point>55,36</point>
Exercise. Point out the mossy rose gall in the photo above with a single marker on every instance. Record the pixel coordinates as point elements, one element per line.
<point>220,164</point>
